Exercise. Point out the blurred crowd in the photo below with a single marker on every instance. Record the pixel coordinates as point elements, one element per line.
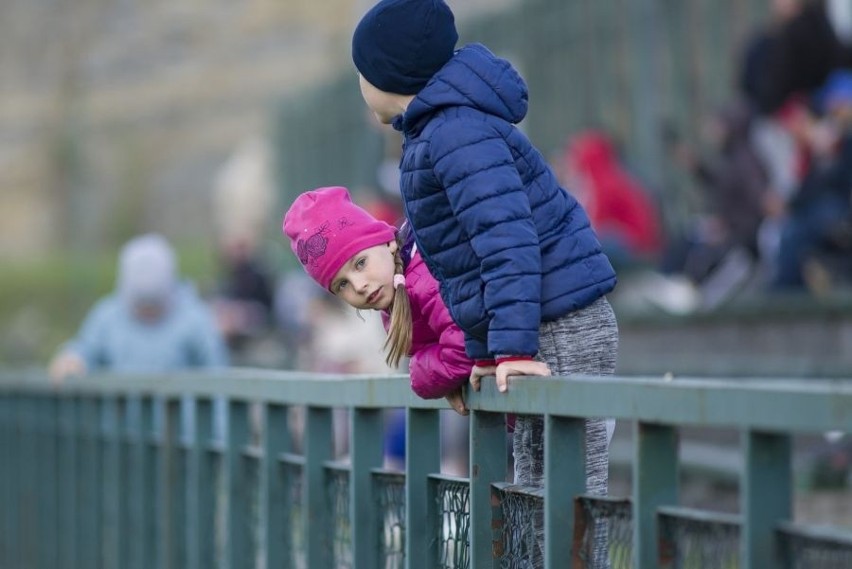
<point>773,167</point>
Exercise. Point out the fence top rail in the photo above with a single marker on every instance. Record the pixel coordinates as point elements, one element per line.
<point>784,405</point>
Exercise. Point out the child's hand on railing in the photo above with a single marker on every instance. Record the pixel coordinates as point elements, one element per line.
<point>518,367</point>
<point>479,371</point>
<point>456,401</point>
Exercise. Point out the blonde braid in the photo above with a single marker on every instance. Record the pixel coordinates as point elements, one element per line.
<point>398,343</point>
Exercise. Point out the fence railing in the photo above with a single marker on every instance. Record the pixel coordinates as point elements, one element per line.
<point>144,472</point>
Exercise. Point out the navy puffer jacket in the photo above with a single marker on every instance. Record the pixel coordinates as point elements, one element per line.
<point>509,246</point>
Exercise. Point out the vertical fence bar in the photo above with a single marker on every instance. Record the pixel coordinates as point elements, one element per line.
<point>201,543</point>
<point>128,428</point>
<point>51,467</point>
<point>487,465</point>
<point>422,432</point>
<point>274,499</point>
<point>767,496</point>
<point>171,507</point>
<point>565,478</point>
<point>68,508</point>
<point>5,486</point>
<point>11,456</point>
<point>134,486</point>
<point>239,537</point>
<point>29,484</point>
<point>146,552</point>
<point>89,480</point>
<point>45,479</point>
<point>315,507</point>
<point>366,438</point>
<point>655,483</point>
<point>112,487</point>
<point>40,479</point>
<point>180,416</point>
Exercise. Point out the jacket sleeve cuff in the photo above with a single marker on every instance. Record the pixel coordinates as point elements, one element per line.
<point>503,359</point>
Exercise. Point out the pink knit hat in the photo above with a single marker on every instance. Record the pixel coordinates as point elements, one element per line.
<point>326,229</point>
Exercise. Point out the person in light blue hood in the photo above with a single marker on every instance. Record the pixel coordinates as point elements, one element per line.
<point>152,322</point>
<point>519,266</point>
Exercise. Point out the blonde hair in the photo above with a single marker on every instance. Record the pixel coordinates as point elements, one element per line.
<point>398,342</point>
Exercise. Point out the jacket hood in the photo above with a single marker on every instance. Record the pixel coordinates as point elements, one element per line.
<point>591,152</point>
<point>474,78</point>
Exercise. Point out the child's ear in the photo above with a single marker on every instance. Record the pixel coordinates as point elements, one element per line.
<point>393,246</point>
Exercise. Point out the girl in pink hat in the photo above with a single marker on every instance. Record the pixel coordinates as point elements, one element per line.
<point>372,266</point>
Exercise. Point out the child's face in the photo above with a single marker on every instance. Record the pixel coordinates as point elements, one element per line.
<point>366,280</point>
<point>383,105</point>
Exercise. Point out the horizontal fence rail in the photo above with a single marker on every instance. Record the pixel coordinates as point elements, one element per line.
<point>203,470</point>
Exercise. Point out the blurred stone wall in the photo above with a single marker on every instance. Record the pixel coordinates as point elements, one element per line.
<point>116,114</point>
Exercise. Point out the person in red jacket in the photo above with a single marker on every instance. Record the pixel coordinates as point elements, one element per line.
<point>622,213</point>
<point>372,266</point>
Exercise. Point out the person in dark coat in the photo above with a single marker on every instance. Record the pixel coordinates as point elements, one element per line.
<point>819,214</point>
<point>808,48</point>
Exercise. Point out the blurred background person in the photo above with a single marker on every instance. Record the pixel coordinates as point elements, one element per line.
<point>810,40</point>
<point>815,246</point>
<point>243,196</point>
<point>244,300</point>
<point>721,252</point>
<point>622,212</point>
<point>153,322</point>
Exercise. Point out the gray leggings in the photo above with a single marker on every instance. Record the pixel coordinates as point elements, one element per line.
<point>583,342</point>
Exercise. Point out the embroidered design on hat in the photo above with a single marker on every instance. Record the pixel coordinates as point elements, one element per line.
<point>314,247</point>
<point>344,222</point>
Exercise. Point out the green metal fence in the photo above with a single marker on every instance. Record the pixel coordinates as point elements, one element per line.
<point>93,475</point>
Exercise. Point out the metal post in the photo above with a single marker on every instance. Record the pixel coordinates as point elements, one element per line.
<point>315,507</point>
<point>655,484</point>
<point>90,484</point>
<point>766,498</point>
<point>274,496</point>
<point>366,438</point>
<point>172,519</point>
<point>422,432</point>
<point>565,478</point>
<point>110,441</point>
<point>145,552</point>
<point>238,544</point>
<point>201,535</point>
<point>487,466</point>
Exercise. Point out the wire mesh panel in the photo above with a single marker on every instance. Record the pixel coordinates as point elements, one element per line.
<point>521,513</point>
<point>390,490</point>
<point>612,517</point>
<point>452,500</point>
<point>815,548</point>
<point>337,477</point>
<point>697,539</point>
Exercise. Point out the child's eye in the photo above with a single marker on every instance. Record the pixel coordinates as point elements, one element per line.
<point>340,286</point>
<point>361,262</point>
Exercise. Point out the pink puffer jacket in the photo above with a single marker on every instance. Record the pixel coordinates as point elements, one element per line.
<point>439,364</point>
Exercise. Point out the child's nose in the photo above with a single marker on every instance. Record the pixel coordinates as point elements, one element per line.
<point>361,285</point>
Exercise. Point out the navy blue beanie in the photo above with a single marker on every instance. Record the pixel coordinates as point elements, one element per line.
<point>400,44</point>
